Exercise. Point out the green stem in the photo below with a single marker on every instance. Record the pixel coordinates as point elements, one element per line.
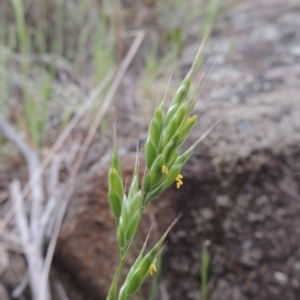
<point>112,294</point>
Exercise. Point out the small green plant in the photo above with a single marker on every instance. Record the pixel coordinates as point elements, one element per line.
<point>164,158</point>
<point>204,270</point>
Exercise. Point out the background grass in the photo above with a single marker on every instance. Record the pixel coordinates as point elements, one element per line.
<point>87,38</point>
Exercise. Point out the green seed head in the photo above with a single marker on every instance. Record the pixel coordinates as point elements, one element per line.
<point>170,152</point>
<point>152,143</point>
<point>183,90</point>
<point>138,274</point>
<point>133,215</point>
<point>115,192</point>
<point>173,126</point>
<point>172,175</point>
<point>186,128</point>
<point>166,134</point>
<point>131,285</point>
<point>121,234</point>
<point>115,185</point>
<point>151,151</point>
<point>115,161</point>
<point>154,175</point>
<point>134,186</point>
<point>133,225</point>
<point>155,192</point>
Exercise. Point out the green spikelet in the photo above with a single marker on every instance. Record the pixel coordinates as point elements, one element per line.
<point>152,143</point>
<point>115,183</point>
<point>140,271</point>
<point>131,212</point>
<point>115,186</point>
<point>186,128</point>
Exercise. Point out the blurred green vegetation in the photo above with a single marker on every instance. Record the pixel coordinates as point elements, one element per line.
<point>41,39</point>
<point>43,43</point>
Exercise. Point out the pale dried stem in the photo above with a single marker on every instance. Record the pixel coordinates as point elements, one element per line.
<point>19,289</point>
<point>32,159</point>
<point>28,231</point>
<point>60,290</point>
<point>34,258</point>
<point>52,201</point>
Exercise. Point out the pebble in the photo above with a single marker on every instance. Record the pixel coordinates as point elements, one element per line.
<point>281,277</point>
<point>252,257</point>
<point>207,213</point>
<point>297,266</point>
<point>223,200</point>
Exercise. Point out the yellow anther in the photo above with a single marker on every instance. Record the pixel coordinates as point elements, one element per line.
<point>179,177</point>
<point>192,119</point>
<point>164,170</point>
<point>114,171</point>
<point>179,182</point>
<point>152,269</point>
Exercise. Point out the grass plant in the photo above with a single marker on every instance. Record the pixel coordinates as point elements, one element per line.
<point>32,32</point>
<point>164,158</point>
<point>204,270</point>
<point>85,35</point>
